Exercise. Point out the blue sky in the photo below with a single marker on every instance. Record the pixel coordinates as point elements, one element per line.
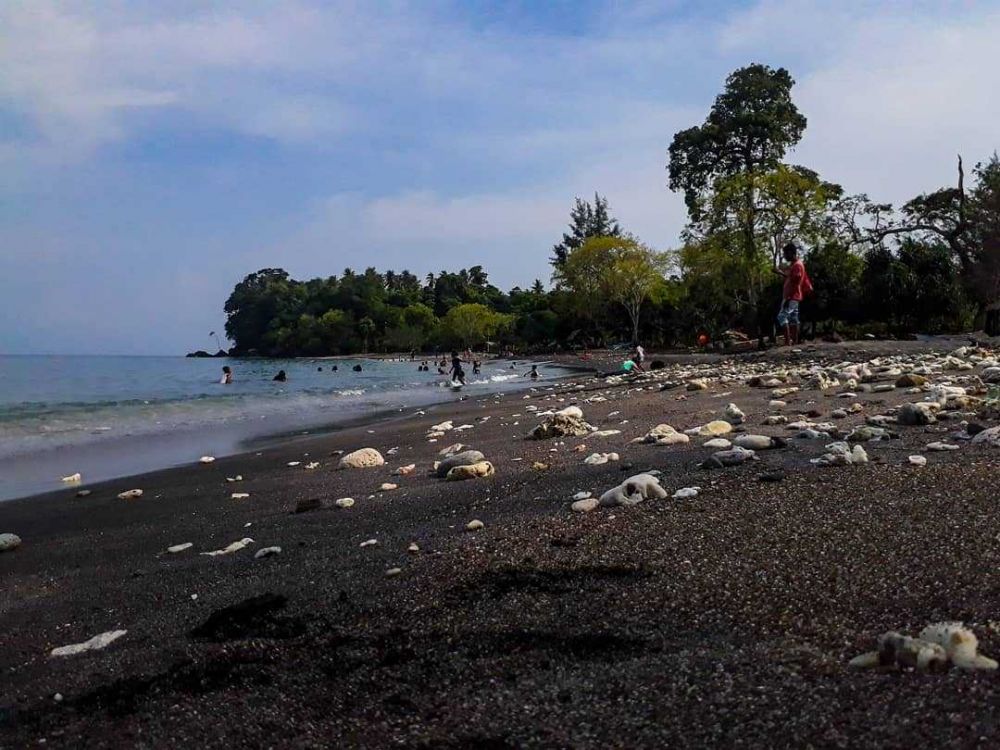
<point>152,154</point>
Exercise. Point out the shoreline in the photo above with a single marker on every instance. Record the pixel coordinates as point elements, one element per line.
<point>101,457</point>
<point>723,619</point>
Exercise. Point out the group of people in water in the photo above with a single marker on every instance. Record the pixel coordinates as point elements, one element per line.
<point>456,372</point>
<point>280,377</point>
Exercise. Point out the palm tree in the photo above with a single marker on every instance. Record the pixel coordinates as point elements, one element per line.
<point>367,327</point>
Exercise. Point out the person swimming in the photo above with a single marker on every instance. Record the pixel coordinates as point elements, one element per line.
<point>357,368</point>
<point>227,376</point>
<point>334,368</point>
<point>280,377</point>
<point>532,373</point>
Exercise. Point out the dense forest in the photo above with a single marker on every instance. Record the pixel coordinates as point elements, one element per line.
<point>931,265</point>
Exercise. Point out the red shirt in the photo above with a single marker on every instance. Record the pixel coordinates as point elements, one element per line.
<point>794,279</point>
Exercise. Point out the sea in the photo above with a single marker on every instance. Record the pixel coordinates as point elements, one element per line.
<point>113,416</point>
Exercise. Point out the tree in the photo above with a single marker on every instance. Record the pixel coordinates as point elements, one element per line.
<point>366,327</point>
<point>619,270</point>
<point>837,278</point>
<point>586,221</point>
<point>748,130</point>
<point>731,174</point>
<point>260,304</point>
<point>787,203</point>
<point>472,324</point>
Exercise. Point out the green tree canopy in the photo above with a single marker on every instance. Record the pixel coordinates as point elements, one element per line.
<point>586,220</point>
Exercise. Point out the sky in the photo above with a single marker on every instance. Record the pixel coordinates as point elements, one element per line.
<point>152,154</point>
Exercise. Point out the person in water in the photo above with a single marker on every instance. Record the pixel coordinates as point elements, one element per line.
<point>227,375</point>
<point>456,372</point>
<point>357,368</point>
<point>532,373</point>
<point>280,377</point>
<point>335,368</point>
<point>475,367</point>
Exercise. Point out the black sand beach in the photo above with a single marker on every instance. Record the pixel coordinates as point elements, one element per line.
<point>726,619</point>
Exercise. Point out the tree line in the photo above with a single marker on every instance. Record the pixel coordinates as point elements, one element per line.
<point>933,265</point>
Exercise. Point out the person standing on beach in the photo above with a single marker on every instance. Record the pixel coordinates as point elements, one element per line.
<point>797,285</point>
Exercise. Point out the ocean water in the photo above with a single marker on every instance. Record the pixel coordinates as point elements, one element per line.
<point>107,416</point>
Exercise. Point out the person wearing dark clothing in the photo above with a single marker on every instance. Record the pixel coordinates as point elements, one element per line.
<point>456,372</point>
<point>280,377</point>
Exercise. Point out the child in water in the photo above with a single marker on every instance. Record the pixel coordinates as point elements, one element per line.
<point>227,376</point>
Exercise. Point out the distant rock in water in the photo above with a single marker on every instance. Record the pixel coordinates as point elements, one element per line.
<point>199,353</point>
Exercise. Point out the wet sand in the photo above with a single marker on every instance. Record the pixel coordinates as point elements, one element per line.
<point>723,620</point>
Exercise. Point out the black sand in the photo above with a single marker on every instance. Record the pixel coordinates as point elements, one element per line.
<point>726,620</point>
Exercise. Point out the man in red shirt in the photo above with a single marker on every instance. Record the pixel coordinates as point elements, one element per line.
<point>797,285</point>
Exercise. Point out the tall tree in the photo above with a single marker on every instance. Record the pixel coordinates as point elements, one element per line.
<point>751,125</point>
<point>586,220</point>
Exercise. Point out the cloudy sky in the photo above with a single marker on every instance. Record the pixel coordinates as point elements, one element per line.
<point>152,154</point>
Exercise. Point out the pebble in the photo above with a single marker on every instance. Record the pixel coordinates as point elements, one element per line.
<point>179,548</point>
<point>414,547</point>
<point>918,460</point>
<point>83,493</point>
<point>98,642</point>
<point>686,492</point>
<point>585,505</point>
<point>369,543</point>
<point>582,495</point>
<point>388,487</point>
<point>344,502</point>
<point>474,525</point>
<point>392,572</point>
<point>718,444</point>
<point>939,446</point>
<point>312,465</point>
<point>206,459</point>
<point>266,552</point>
<point>234,547</point>
<point>9,542</point>
<point>240,495</point>
<point>237,478</point>
<point>73,478</point>
<point>129,494</point>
